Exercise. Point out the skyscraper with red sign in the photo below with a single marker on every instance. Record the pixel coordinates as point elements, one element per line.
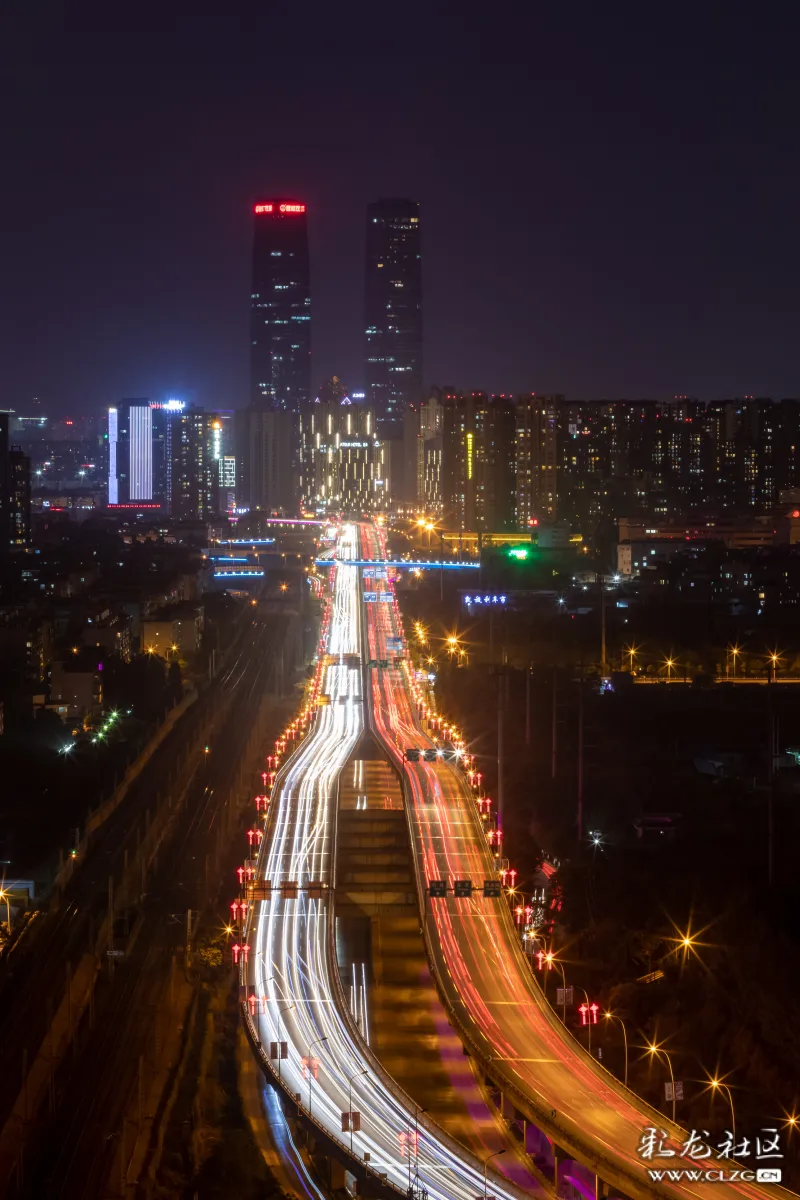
<point>280,321</point>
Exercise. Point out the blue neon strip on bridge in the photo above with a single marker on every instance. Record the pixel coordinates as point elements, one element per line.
<point>377,562</point>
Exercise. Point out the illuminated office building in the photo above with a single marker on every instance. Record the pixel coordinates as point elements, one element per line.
<point>130,452</point>
<point>393,311</point>
<point>343,464</point>
<point>280,312</point>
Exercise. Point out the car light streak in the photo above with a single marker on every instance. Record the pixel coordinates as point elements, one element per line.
<point>292,972</point>
<point>481,968</point>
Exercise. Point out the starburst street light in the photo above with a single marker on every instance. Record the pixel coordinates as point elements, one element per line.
<point>669,663</point>
<point>631,651</point>
<point>718,1085</point>
<point>733,653</point>
<point>687,941</point>
<point>656,1051</point>
<point>774,660</point>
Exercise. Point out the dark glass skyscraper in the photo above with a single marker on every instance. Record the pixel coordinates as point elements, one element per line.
<point>280,323</point>
<point>393,311</point>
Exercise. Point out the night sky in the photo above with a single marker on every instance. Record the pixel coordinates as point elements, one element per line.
<point>610,193</point>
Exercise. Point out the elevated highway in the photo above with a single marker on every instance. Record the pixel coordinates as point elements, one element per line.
<point>573,1111</point>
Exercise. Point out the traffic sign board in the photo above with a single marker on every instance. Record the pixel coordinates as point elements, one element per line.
<point>437,888</point>
<point>462,888</point>
<point>491,889</point>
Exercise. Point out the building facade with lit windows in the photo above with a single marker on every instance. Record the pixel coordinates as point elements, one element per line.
<point>267,472</point>
<point>536,458</point>
<point>280,308</point>
<point>201,463</point>
<point>478,462</point>
<point>15,490</point>
<point>344,465</point>
<point>19,475</point>
<point>392,311</point>
<point>130,452</point>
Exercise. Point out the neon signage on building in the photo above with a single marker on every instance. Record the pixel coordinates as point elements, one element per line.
<point>284,208</point>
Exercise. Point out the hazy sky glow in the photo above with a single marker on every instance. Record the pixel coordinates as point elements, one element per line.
<point>608,203</point>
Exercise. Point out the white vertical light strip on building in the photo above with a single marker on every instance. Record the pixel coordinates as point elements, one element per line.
<point>113,482</point>
<point>140,440</point>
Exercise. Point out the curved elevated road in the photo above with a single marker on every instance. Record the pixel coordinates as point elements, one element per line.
<point>483,977</point>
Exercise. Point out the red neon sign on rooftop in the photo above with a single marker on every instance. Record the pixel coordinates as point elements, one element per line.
<point>282,207</point>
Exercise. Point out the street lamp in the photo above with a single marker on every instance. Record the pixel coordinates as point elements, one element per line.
<point>733,651</point>
<point>717,1085</point>
<point>609,1016</point>
<point>4,896</point>
<point>350,1102</point>
<point>550,958</point>
<point>317,1041</point>
<point>631,651</point>
<point>486,1162</point>
<point>669,663</point>
<point>657,1051</point>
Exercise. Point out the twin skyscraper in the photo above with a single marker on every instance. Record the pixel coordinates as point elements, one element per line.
<point>281,310</point>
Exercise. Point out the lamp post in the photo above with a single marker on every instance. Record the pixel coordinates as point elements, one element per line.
<point>486,1162</point>
<point>281,1016</point>
<point>733,651</point>
<point>4,896</point>
<point>658,1051</point>
<point>609,1016</point>
<point>350,1102</point>
<point>718,1085</point>
<point>551,958</point>
<point>317,1041</point>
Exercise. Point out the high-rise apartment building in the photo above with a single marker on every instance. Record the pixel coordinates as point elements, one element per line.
<point>535,458</point>
<point>393,311</point>
<point>201,464</point>
<point>19,478</point>
<point>478,457</point>
<point>280,313</point>
<point>266,474</point>
<point>15,490</point>
<point>429,454</point>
